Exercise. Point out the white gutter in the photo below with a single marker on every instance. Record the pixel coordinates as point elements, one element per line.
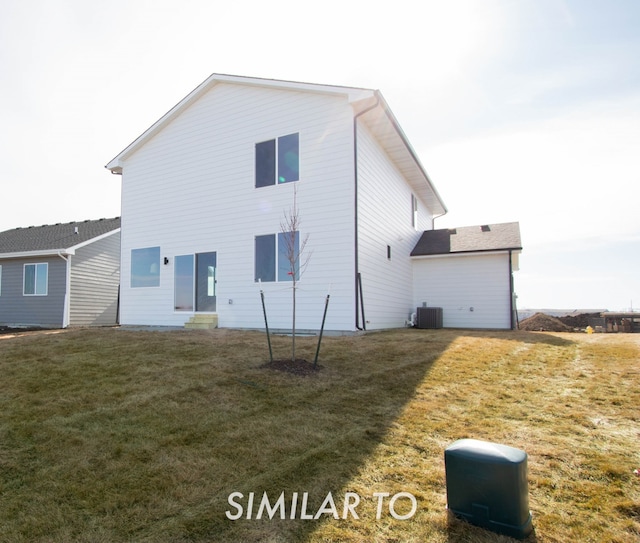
<point>467,253</point>
<point>43,252</point>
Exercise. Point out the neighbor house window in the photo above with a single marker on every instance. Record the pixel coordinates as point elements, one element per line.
<point>276,257</point>
<point>0,280</point>
<point>36,279</point>
<point>277,161</point>
<point>414,211</point>
<point>145,267</point>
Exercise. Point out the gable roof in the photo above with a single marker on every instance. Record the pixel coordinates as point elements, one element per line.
<point>469,239</point>
<point>62,238</point>
<point>368,102</point>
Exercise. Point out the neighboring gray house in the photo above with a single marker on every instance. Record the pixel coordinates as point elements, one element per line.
<point>60,275</point>
<point>468,272</point>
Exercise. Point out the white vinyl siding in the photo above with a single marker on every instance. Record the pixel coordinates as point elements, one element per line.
<point>191,189</point>
<point>95,278</point>
<point>472,289</point>
<point>385,229</point>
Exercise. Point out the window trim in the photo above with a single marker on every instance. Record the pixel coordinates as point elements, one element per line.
<point>36,265</point>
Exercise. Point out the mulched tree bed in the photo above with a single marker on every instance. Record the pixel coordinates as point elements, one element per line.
<point>299,366</point>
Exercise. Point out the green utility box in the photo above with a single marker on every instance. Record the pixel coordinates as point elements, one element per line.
<point>487,486</point>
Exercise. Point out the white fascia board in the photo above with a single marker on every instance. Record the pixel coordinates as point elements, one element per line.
<point>353,94</point>
<point>93,240</point>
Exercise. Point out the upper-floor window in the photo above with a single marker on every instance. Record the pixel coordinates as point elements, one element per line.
<point>278,161</point>
<point>36,279</point>
<point>145,267</point>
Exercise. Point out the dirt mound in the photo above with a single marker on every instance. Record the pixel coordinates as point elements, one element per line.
<point>578,321</point>
<point>544,323</point>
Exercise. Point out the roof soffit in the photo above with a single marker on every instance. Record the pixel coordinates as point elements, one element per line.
<point>387,131</point>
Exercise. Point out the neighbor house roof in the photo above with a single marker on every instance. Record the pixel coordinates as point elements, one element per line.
<point>62,238</point>
<point>375,113</point>
<point>469,239</point>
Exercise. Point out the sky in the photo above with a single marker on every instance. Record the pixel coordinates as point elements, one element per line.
<point>520,110</point>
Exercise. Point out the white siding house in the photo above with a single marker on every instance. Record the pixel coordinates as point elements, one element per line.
<point>190,187</point>
<point>205,191</point>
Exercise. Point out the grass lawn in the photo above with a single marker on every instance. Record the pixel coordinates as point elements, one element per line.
<point>112,435</point>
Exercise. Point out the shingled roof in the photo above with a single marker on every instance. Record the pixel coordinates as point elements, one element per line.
<point>56,237</point>
<point>469,239</point>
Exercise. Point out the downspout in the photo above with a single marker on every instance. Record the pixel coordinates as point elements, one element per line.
<point>358,280</point>
<point>433,220</point>
<point>511,293</point>
<point>67,292</point>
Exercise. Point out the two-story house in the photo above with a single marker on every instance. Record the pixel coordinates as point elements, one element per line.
<point>205,193</point>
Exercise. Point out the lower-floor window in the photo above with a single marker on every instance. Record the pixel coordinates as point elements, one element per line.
<point>277,257</point>
<point>145,267</point>
<point>36,279</point>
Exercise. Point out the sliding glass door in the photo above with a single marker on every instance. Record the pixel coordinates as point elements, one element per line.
<point>195,282</point>
<point>206,282</point>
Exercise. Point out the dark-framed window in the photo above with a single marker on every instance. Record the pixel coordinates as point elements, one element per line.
<point>278,161</point>
<point>276,257</point>
<point>145,267</point>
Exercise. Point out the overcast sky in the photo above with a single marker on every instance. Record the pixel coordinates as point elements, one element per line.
<point>520,110</point>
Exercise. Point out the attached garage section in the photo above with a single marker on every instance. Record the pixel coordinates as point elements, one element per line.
<point>468,272</point>
<point>473,290</point>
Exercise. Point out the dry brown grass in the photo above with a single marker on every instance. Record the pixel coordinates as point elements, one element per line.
<point>113,435</point>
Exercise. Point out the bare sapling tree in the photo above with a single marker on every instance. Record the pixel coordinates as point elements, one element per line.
<point>296,257</point>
